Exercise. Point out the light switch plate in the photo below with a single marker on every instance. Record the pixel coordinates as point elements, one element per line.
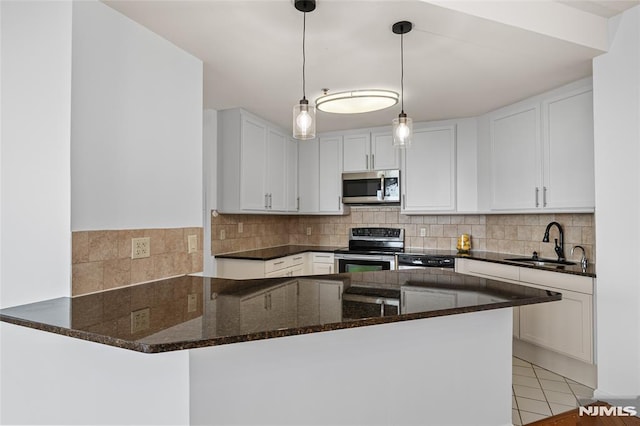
<point>192,241</point>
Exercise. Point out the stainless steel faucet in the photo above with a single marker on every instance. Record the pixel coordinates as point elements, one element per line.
<point>559,248</point>
<point>583,260</point>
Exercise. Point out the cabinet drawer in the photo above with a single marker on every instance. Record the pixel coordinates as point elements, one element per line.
<point>487,269</point>
<point>298,259</point>
<point>322,257</point>
<point>276,264</point>
<point>557,281</point>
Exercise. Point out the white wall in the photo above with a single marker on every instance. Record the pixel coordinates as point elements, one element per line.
<point>210,176</point>
<point>136,151</point>
<point>616,84</point>
<point>35,237</point>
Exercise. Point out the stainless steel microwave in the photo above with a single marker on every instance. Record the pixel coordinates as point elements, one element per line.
<point>374,187</point>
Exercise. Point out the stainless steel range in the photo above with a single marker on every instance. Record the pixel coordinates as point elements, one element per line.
<point>370,249</point>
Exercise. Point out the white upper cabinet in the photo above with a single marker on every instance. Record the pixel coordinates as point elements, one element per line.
<point>568,173</point>
<point>320,176</point>
<point>330,175</point>
<point>293,198</point>
<point>369,151</point>
<point>253,164</point>
<point>542,153</point>
<point>356,152</point>
<point>257,165</point>
<point>309,176</point>
<point>515,150</point>
<point>383,154</point>
<point>429,171</point>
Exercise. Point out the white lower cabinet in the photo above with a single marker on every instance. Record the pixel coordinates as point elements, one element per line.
<point>322,263</point>
<point>315,263</point>
<point>564,326</point>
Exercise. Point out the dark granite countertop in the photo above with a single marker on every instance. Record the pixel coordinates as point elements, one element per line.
<point>275,252</point>
<point>190,312</point>
<point>281,251</point>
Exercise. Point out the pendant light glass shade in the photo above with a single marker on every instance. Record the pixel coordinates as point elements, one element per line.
<point>402,131</point>
<point>304,115</point>
<point>304,120</point>
<point>403,125</point>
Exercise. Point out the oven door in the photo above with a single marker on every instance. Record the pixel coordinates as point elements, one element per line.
<point>364,263</point>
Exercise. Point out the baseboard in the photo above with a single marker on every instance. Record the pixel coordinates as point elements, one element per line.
<point>570,368</point>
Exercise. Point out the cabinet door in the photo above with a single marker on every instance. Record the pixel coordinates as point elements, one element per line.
<point>383,155</point>
<point>308,177</point>
<point>330,174</point>
<point>355,153</point>
<point>330,305</point>
<point>563,326</point>
<point>515,157</point>
<point>429,172</point>
<point>253,164</point>
<point>322,268</point>
<point>292,176</point>
<point>277,147</point>
<point>568,151</point>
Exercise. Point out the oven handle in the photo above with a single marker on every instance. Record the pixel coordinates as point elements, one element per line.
<point>364,257</point>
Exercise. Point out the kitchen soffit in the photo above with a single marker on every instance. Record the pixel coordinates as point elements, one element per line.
<point>460,61</point>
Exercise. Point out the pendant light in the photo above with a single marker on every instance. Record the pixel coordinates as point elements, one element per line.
<point>304,115</point>
<point>403,125</point>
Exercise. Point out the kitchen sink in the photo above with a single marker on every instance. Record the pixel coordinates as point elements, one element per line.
<point>540,261</point>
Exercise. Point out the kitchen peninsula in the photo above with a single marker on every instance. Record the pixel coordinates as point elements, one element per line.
<point>277,351</point>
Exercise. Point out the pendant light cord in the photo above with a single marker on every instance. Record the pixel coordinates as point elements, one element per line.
<point>402,72</point>
<point>304,31</point>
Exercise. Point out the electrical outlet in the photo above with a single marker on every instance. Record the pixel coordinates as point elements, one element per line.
<point>223,234</point>
<point>192,302</point>
<point>140,247</point>
<point>192,242</point>
<point>423,232</point>
<point>140,320</point>
<point>240,227</point>
<point>308,230</point>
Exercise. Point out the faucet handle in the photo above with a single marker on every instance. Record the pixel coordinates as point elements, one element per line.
<point>583,260</point>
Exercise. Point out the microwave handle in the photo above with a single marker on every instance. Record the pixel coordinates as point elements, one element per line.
<point>382,186</point>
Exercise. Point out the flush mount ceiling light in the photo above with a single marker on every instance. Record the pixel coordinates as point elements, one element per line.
<point>403,125</point>
<point>304,115</point>
<point>356,101</point>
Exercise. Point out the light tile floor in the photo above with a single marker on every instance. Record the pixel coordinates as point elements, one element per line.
<point>539,393</point>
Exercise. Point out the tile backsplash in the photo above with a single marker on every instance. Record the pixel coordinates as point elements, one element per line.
<point>519,234</point>
<point>101,260</point>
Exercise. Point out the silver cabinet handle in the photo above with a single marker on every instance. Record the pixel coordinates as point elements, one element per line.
<point>403,202</point>
<point>366,161</point>
<point>373,162</point>
<point>339,201</point>
<point>382,186</point>
<point>298,204</point>
<point>279,263</point>
<point>544,196</point>
<point>266,202</point>
<point>537,191</point>
<point>270,200</point>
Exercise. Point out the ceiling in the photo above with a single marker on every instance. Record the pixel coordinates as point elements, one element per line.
<point>461,59</point>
